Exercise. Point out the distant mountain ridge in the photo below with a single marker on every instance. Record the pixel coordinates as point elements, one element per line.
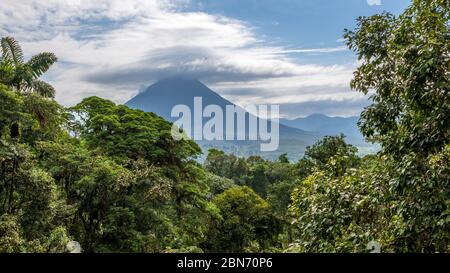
<point>326,125</point>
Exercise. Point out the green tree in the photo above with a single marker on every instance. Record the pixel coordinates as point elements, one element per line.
<point>405,61</point>
<point>11,111</point>
<point>331,152</point>
<point>11,239</point>
<point>247,222</point>
<point>343,213</point>
<point>283,158</point>
<point>229,166</point>
<point>217,184</point>
<point>126,133</point>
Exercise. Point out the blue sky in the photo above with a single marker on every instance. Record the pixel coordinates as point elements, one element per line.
<point>287,52</point>
<point>301,23</point>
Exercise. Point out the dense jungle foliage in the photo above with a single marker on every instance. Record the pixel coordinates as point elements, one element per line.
<point>114,180</point>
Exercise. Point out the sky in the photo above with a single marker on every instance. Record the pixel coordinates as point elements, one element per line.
<point>286,52</point>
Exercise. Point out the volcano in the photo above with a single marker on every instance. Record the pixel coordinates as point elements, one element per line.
<point>162,96</point>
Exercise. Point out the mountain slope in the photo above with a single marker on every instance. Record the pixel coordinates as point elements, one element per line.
<point>162,96</point>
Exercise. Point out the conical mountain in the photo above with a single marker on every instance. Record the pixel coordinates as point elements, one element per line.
<point>162,96</point>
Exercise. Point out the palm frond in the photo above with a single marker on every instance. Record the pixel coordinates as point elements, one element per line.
<point>23,79</point>
<point>11,50</point>
<point>44,89</point>
<point>41,62</point>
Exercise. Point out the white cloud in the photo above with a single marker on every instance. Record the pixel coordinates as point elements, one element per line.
<point>113,48</point>
<point>374,2</point>
<point>317,50</point>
